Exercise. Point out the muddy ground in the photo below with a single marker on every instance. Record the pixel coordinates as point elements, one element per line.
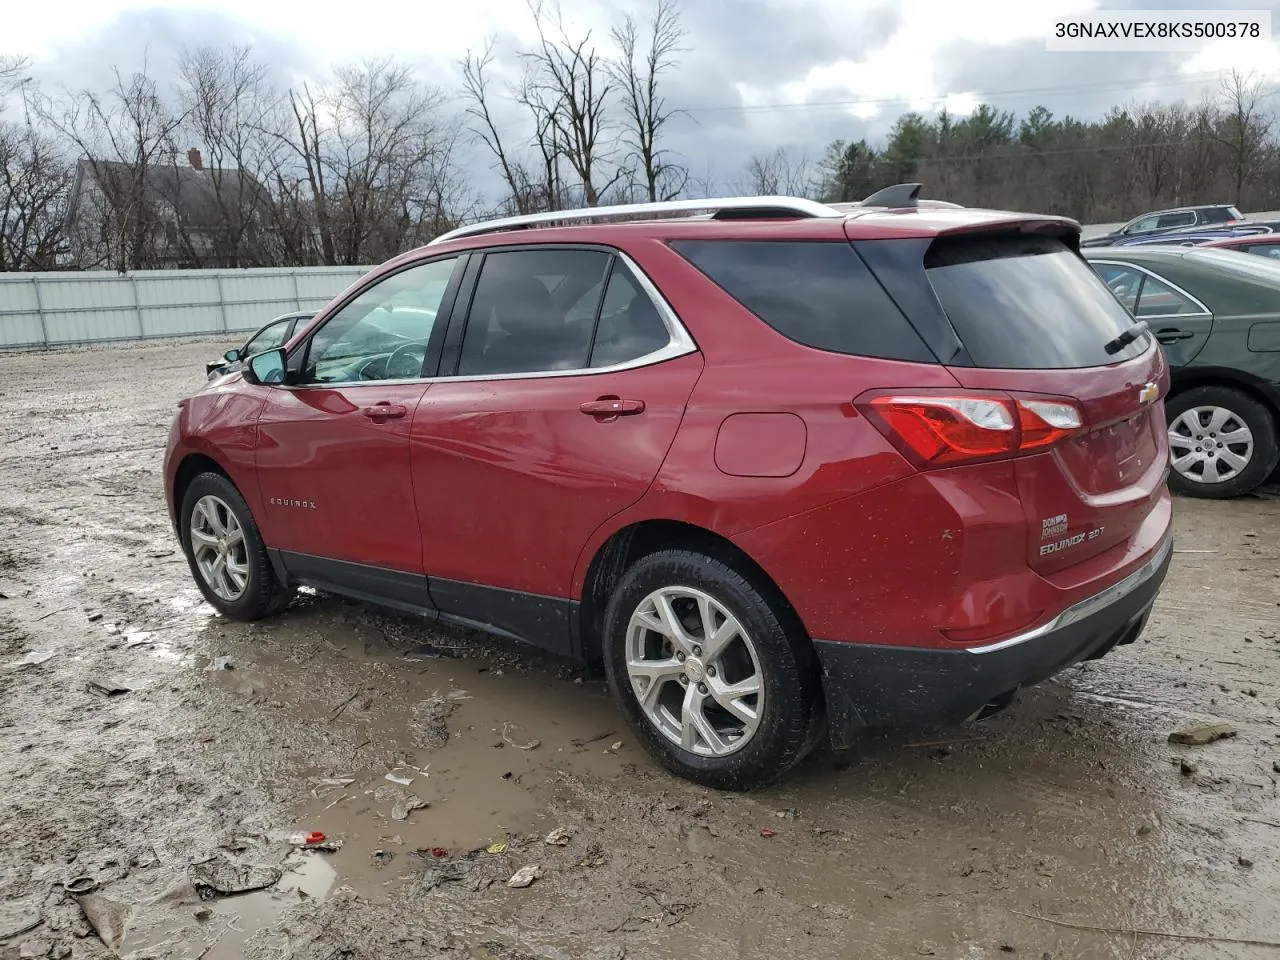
<point>1055,829</point>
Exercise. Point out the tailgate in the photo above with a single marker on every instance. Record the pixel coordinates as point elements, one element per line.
<point>1037,323</point>
<point>1092,492</point>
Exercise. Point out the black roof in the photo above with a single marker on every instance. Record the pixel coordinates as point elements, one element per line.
<point>207,197</point>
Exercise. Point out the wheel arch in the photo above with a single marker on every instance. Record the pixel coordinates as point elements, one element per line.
<point>625,546</point>
<point>1253,386</point>
<point>190,467</point>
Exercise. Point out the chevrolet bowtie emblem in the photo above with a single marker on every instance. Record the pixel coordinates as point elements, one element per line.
<point>1149,393</point>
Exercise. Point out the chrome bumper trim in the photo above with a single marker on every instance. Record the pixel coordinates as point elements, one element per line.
<point>1090,605</point>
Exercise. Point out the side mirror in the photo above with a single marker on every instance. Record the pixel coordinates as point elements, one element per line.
<point>267,368</point>
<point>231,356</point>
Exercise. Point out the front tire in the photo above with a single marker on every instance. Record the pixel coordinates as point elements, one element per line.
<point>711,670</point>
<point>1223,443</point>
<point>225,551</point>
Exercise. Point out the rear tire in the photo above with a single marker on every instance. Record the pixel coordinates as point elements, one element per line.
<point>225,551</point>
<point>736,704</point>
<point>1220,432</point>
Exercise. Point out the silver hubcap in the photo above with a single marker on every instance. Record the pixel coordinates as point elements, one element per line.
<point>217,541</point>
<point>694,671</point>
<point>1210,444</point>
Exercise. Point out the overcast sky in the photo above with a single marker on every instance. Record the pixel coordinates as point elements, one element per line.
<point>756,74</point>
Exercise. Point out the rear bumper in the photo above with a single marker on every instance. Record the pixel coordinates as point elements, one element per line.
<point>871,685</point>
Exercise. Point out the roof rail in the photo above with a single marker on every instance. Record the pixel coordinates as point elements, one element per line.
<point>722,208</point>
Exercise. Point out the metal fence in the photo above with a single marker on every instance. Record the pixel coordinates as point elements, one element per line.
<point>39,310</point>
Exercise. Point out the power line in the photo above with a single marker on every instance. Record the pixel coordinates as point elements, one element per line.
<point>1178,80</point>
<point>1170,80</point>
<point>1029,153</point>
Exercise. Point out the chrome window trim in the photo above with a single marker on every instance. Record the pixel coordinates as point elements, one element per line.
<point>680,343</point>
<point>1090,605</point>
<point>1204,310</point>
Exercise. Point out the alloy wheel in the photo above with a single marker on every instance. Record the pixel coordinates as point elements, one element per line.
<point>218,545</point>
<point>695,671</point>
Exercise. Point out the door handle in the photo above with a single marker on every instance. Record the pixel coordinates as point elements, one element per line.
<point>611,407</point>
<point>385,411</point>
<point>1173,335</point>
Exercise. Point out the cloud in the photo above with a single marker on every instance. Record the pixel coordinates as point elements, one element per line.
<point>756,74</point>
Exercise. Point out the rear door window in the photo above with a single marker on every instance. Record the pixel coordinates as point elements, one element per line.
<point>1024,303</point>
<point>819,294</point>
<point>1271,250</point>
<point>518,324</point>
<point>630,326</point>
<point>1170,220</point>
<point>1124,282</point>
<point>1158,299</point>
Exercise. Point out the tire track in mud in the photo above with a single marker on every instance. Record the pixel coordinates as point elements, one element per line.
<point>1070,805</point>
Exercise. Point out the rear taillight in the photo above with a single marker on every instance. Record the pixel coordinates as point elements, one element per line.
<point>1046,422</point>
<point>947,428</point>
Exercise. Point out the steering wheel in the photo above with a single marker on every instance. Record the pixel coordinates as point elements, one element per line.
<point>405,362</point>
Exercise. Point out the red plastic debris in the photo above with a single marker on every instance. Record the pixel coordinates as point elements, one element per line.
<point>439,852</point>
<point>768,832</point>
<point>315,836</point>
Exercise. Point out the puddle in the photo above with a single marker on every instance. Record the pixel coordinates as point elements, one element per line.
<point>184,927</point>
<point>476,786</point>
<point>449,731</point>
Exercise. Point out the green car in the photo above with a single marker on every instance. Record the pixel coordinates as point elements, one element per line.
<point>1217,314</point>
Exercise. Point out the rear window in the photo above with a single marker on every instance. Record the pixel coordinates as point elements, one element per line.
<point>819,294</point>
<point>1027,303</point>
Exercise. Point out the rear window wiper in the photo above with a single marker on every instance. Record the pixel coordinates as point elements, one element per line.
<point>1127,337</point>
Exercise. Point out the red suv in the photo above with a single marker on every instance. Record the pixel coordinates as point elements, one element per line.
<point>784,468</point>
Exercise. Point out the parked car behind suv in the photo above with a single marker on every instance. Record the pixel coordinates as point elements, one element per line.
<point>783,468</point>
<point>1161,221</point>
<point>1259,244</point>
<point>270,335</point>
<point>1217,313</point>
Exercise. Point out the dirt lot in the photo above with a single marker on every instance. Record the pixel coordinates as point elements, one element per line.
<point>1055,829</point>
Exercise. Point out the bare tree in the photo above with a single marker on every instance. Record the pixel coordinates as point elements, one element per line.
<point>545,106</point>
<point>123,135</point>
<point>34,180</point>
<point>304,140</point>
<point>637,72</point>
<point>777,172</point>
<point>476,93</point>
<point>232,113</point>
<point>448,197</point>
<point>705,184</point>
<point>371,150</point>
<point>1244,128</point>
<point>569,87</point>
